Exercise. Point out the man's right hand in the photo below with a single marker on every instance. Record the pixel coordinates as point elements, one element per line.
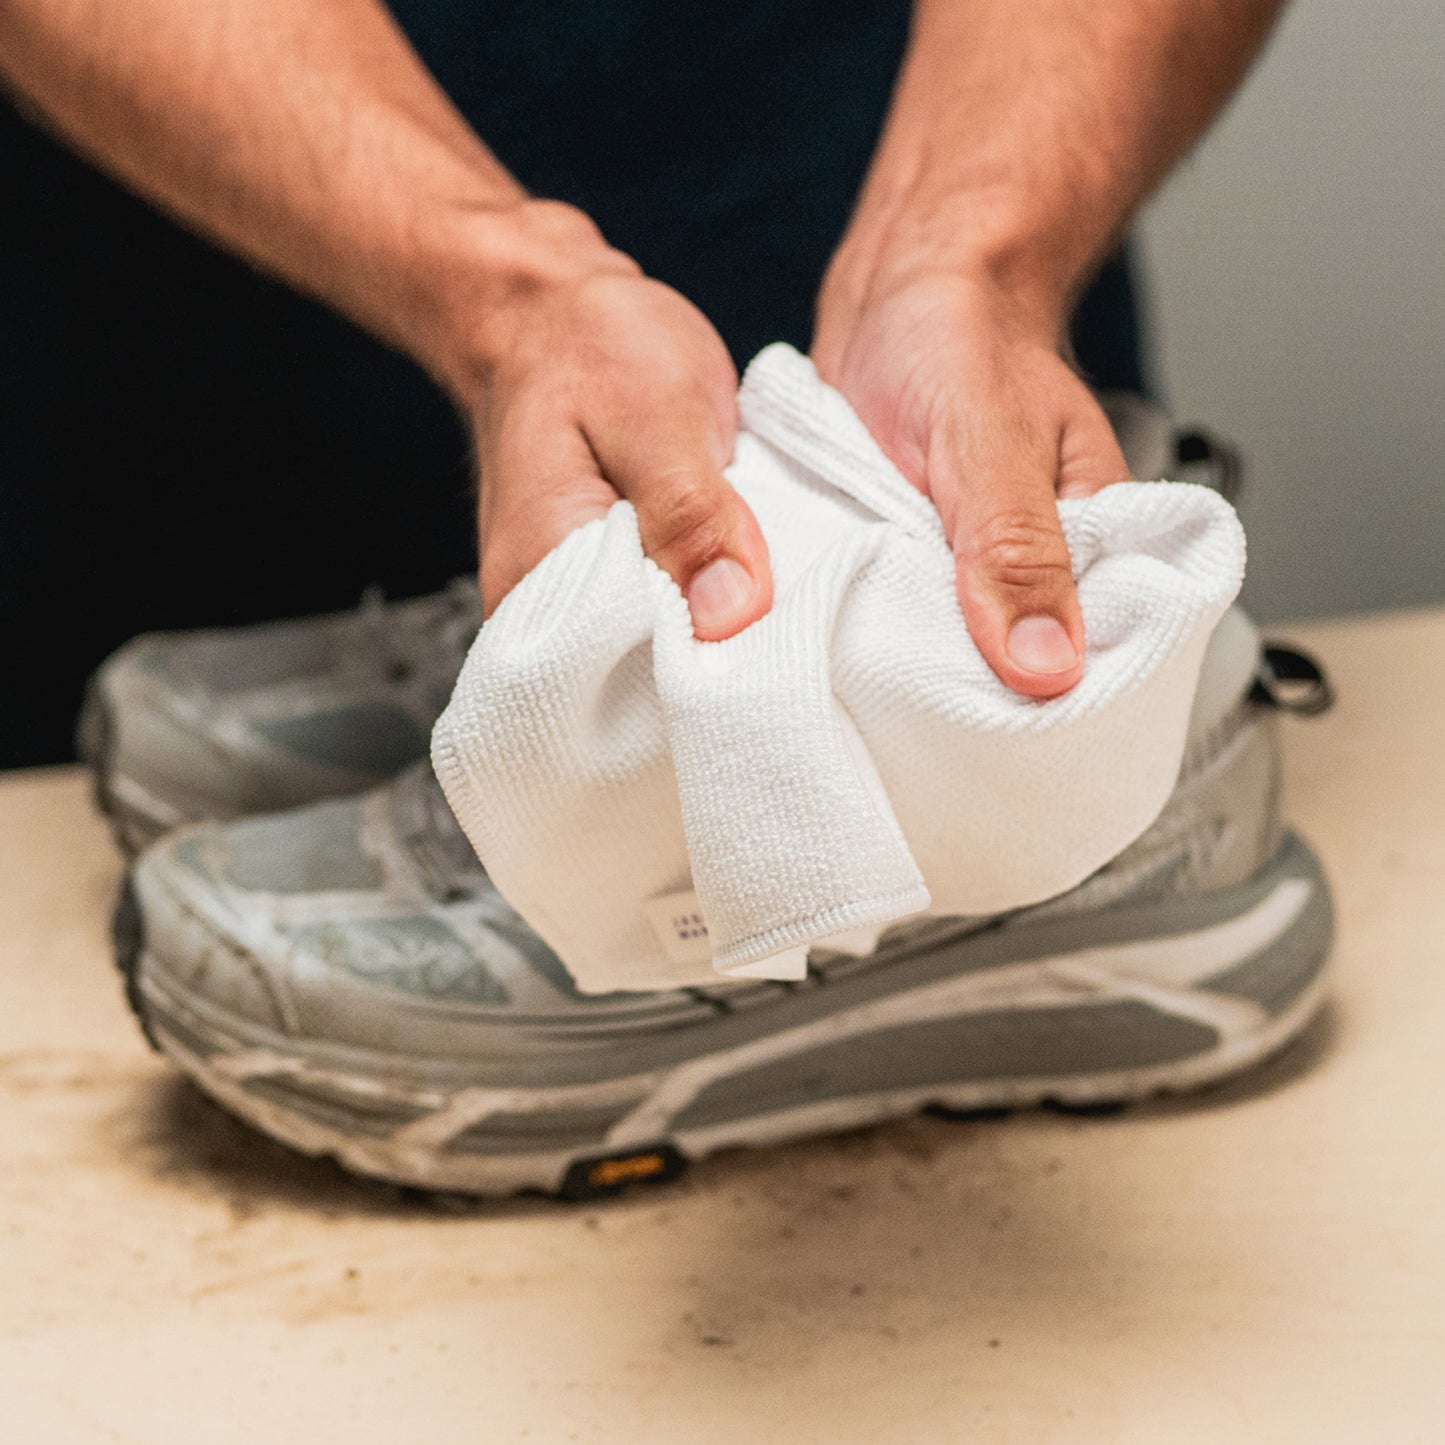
<point>586,381</point>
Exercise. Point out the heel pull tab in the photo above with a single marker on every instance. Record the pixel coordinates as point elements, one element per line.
<point>1292,681</point>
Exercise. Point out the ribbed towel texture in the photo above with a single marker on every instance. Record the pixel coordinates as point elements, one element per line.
<point>662,809</point>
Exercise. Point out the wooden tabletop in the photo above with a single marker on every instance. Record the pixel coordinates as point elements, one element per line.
<point>1264,1264</point>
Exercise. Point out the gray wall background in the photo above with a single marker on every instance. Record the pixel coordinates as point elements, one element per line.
<point>1297,276</point>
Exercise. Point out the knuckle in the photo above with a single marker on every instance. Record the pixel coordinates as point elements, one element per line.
<point>685,518</point>
<point>1021,552</point>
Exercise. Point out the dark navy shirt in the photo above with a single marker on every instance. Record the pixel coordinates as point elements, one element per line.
<point>720,142</point>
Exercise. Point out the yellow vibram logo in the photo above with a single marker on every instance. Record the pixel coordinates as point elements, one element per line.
<point>616,1171</point>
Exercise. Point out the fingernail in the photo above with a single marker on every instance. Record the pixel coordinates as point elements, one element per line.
<point>719,595</point>
<point>1040,644</point>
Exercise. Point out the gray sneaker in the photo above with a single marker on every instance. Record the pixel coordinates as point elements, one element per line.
<point>345,978</point>
<point>224,724</point>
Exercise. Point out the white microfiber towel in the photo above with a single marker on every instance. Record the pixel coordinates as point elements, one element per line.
<point>662,809</point>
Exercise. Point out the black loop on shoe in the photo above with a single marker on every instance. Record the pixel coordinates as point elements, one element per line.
<point>1292,681</point>
<point>1195,447</point>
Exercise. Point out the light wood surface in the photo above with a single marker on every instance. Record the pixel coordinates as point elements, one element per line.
<point>1266,1264</point>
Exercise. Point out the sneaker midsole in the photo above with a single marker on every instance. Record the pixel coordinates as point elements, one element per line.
<point>997,1019</point>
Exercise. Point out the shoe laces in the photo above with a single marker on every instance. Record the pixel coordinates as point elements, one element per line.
<point>421,643</point>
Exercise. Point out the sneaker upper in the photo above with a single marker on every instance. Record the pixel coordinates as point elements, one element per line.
<point>367,922</point>
<point>225,723</point>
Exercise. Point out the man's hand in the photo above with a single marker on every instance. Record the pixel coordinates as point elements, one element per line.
<point>1020,140</point>
<point>596,382</point>
<point>970,399</point>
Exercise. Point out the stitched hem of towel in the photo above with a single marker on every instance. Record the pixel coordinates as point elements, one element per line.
<point>816,927</point>
<point>779,400</point>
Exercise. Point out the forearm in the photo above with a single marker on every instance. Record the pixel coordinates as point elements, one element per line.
<point>1022,138</point>
<point>305,135</point>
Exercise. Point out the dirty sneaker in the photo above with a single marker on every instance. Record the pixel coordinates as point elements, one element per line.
<point>345,978</point>
<point>226,723</point>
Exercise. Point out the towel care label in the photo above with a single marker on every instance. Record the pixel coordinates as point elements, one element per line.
<point>678,923</point>
<point>681,930</point>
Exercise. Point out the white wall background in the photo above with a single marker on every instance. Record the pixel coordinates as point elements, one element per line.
<point>1297,264</point>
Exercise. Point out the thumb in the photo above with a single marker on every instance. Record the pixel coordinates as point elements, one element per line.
<point>693,523</point>
<point>1015,578</point>
<point>1016,588</point>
